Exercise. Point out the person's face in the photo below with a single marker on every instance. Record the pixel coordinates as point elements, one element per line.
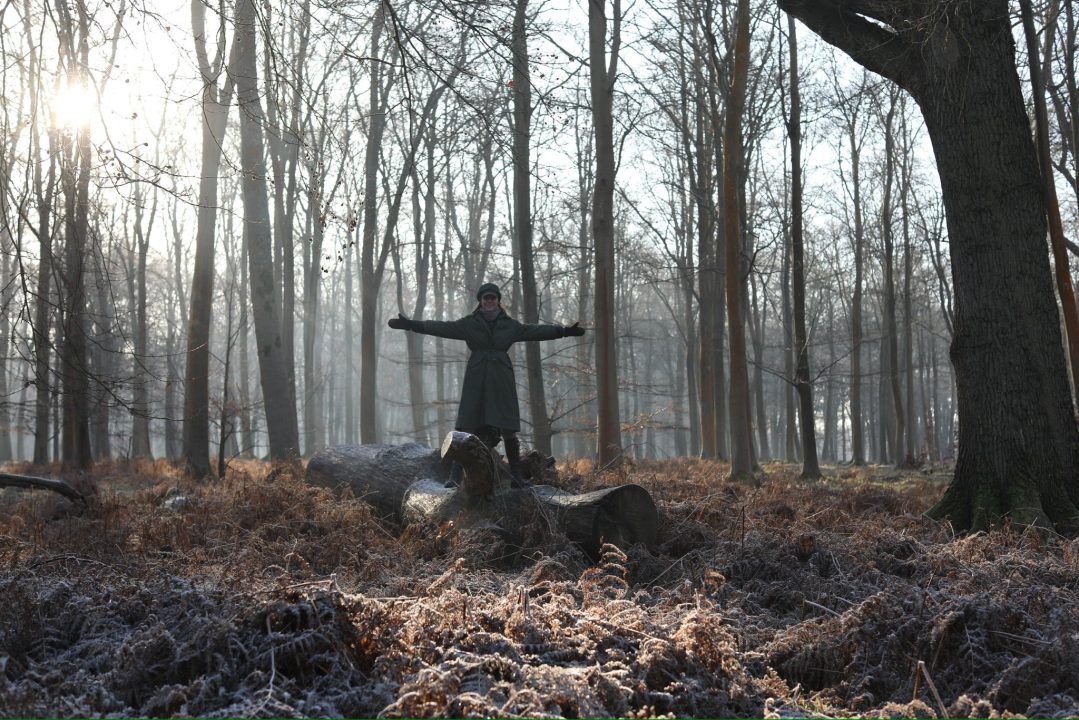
<point>489,301</point>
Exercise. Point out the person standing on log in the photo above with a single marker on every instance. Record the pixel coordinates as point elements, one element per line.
<point>489,407</point>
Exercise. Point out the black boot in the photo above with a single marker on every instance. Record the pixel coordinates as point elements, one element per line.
<point>513,457</point>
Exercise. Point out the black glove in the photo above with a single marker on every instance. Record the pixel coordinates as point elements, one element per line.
<point>401,323</point>
<point>573,330</point>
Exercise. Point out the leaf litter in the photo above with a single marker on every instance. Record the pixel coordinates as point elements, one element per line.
<point>259,596</point>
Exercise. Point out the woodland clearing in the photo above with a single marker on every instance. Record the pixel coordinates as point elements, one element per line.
<point>261,596</point>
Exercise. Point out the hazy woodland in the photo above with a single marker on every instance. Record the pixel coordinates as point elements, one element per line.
<point>822,251</point>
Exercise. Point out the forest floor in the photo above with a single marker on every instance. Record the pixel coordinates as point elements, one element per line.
<point>261,596</point>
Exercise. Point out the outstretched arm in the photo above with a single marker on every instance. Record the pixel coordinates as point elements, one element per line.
<point>439,328</point>
<point>526,332</point>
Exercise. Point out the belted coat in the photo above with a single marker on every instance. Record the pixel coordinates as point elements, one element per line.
<point>489,391</point>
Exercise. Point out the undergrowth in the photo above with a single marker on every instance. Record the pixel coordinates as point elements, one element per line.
<point>258,595</point>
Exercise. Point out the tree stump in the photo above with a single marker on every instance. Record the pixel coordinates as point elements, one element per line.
<point>408,484</point>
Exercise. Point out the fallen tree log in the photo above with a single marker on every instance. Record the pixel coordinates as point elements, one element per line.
<point>378,474</point>
<point>31,482</point>
<point>409,484</point>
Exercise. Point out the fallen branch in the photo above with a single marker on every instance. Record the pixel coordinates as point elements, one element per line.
<point>28,481</point>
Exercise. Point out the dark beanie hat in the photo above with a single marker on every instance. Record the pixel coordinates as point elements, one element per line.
<point>488,289</point>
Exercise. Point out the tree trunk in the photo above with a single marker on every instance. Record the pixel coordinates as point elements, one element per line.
<point>1018,441</point>
<point>757,327</point>
<point>281,425</point>
<point>810,467</point>
<point>830,453</point>
<point>75,349</point>
<point>6,421</point>
<point>43,385</point>
<point>906,171</point>
<point>103,355</point>
<point>215,109</point>
<point>1062,273</point>
<point>857,426</point>
<point>522,221</point>
<point>890,346</point>
<point>350,366</point>
<point>584,439</point>
<point>369,284</point>
<point>790,407</point>
<point>140,403</point>
<point>741,441</point>
<point>609,441</point>
<point>707,250</point>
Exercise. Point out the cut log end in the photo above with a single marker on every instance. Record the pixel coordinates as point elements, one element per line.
<point>482,478</point>
<point>624,515</point>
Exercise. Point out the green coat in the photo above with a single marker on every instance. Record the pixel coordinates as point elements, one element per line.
<point>489,391</point>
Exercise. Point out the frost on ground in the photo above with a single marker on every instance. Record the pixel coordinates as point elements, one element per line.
<point>259,596</point>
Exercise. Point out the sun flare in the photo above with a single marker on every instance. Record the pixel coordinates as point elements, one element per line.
<point>73,105</point>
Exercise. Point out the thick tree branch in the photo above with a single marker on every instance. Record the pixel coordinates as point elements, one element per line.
<point>840,23</point>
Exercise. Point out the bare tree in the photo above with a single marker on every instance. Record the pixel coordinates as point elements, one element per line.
<point>522,208</point>
<point>810,467</point>
<point>733,167</point>
<point>280,410</point>
<point>215,109</point>
<point>602,78</point>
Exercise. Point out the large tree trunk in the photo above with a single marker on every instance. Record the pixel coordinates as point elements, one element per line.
<point>281,425</point>
<point>1018,441</point>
